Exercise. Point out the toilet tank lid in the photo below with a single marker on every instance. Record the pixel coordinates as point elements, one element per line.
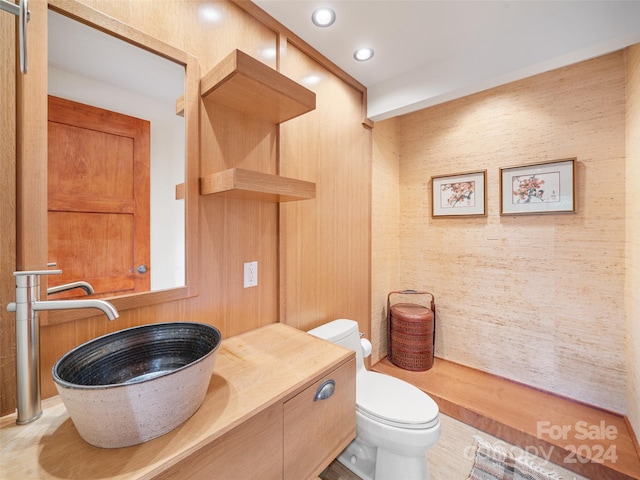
<point>335,330</point>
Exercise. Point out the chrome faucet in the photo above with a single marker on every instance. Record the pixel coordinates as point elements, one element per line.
<point>70,286</point>
<point>27,306</point>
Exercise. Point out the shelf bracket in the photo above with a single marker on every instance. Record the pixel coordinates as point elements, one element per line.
<point>21,11</point>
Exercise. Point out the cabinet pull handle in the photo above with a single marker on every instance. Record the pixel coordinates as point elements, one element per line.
<point>325,390</point>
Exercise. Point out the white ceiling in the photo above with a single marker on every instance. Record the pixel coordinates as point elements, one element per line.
<point>428,52</point>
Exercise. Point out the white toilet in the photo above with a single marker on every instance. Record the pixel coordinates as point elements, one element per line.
<point>396,423</point>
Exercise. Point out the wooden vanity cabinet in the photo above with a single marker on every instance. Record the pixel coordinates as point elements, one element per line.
<point>258,421</point>
<point>318,430</point>
<point>251,451</point>
<point>292,440</point>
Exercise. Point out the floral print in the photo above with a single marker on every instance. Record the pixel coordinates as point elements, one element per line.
<point>528,188</point>
<point>454,193</point>
<point>531,188</point>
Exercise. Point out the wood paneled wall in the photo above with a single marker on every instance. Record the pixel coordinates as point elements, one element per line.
<point>539,298</point>
<point>7,204</point>
<point>20,217</point>
<point>236,231</point>
<point>325,252</point>
<point>633,236</point>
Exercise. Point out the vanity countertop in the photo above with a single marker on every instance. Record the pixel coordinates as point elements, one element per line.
<point>253,371</point>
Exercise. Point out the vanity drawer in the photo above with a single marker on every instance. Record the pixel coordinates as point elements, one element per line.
<point>316,431</point>
<point>251,451</point>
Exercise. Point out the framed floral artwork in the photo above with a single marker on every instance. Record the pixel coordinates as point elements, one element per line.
<point>548,187</point>
<point>459,195</point>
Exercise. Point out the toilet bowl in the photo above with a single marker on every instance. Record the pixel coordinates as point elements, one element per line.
<point>396,423</point>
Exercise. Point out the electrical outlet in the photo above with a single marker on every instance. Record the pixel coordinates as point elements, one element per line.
<point>250,274</point>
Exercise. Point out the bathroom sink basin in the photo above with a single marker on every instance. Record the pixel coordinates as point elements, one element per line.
<point>136,384</point>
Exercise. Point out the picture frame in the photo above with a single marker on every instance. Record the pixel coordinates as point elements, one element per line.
<point>539,188</point>
<point>459,195</point>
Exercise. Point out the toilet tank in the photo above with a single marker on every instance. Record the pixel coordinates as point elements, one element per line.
<point>342,332</point>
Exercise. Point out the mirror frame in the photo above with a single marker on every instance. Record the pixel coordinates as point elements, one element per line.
<point>109,25</point>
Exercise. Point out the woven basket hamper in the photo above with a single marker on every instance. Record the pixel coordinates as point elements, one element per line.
<point>411,333</point>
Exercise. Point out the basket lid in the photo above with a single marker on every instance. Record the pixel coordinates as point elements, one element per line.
<point>411,311</point>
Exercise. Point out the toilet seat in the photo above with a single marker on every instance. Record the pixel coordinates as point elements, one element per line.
<point>391,401</point>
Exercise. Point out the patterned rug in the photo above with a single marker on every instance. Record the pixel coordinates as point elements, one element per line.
<point>494,463</point>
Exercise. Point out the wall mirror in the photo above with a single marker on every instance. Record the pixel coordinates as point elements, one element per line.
<point>122,161</point>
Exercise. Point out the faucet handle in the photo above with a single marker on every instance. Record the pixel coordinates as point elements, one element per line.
<point>29,278</point>
<point>36,272</point>
<point>86,286</point>
<point>24,280</point>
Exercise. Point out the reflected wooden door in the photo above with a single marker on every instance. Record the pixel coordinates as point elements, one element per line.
<point>98,198</point>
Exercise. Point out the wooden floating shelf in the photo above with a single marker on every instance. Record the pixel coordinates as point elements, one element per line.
<point>180,191</point>
<point>243,83</point>
<point>180,106</point>
<point>249,185</point>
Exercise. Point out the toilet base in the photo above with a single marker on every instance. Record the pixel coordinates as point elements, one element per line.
<point>411,468</point>
<point>361,459</point>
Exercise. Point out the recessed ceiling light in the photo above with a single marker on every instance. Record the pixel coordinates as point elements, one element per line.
<point>363,54</point>
<point>323,17</point>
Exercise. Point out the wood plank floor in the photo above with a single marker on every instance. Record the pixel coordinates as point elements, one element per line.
<point>587,440</point>
<point>337,471</point>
